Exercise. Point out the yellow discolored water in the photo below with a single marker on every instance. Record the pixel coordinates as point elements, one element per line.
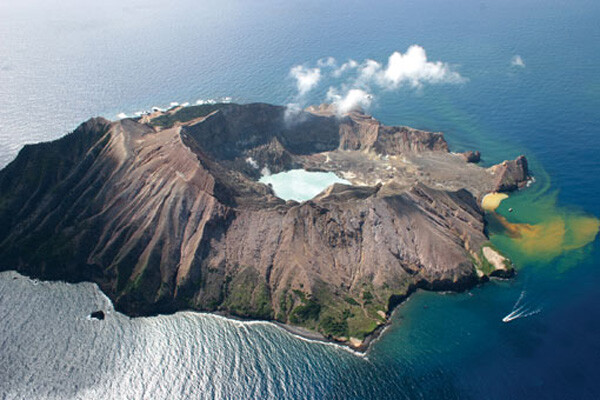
<point>551,238</point>
<point>548,231</point>
<point>491,201</point>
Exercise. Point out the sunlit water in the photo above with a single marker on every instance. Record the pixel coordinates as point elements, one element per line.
<point>63,63</point>
<point>301,185</point>
<point>183,355</point>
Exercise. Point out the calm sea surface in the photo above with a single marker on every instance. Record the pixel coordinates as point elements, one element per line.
<point>61,63</point>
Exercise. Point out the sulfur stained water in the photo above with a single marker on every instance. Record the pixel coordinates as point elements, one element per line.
<point>299,184</point>
<point>491,201</point>
<point>537,230</point>
<point>535,336</point>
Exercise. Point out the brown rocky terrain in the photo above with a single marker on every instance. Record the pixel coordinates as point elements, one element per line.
<point>166,213</point>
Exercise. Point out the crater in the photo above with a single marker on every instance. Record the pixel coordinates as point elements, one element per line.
<point>299,184</point>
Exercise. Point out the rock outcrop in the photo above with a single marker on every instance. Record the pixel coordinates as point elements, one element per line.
<point>472,156</point>
<point>511,175</point>
<point>166,213</point>
<point>99,315</point>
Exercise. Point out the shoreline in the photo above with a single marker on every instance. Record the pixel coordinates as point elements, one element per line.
<point>296,331</point>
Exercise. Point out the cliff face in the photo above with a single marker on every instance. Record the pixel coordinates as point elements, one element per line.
<point>165,213</point>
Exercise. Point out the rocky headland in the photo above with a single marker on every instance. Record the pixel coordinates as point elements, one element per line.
<point>165,212</point>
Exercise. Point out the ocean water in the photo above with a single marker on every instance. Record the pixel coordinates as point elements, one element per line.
<point>61,63</point>
<point>300,185</point>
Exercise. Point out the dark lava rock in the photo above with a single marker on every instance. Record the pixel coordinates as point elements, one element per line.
<point>472,156</point>
<point>511,175</point>
<point>99,315</point>
<point>504,274</point>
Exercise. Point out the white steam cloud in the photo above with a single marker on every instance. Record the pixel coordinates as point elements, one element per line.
<point>414,69</point>
<point>327,62</point>
<point>306,78</point>
<point>517,61</point>
<point>347,66</point>
<point>352,99</point>
<point>361,79</point>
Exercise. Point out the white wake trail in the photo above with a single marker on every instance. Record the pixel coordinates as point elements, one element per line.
<point>520,310</point>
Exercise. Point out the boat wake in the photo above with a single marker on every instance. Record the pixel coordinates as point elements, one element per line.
<point>521,309</point>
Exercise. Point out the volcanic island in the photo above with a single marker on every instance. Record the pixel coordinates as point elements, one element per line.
<point>165,212</point>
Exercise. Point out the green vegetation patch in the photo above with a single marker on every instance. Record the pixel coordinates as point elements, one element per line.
<point>337,315</point>
<point>308,311</point>
<point>248,295</point>
<point>360,326</point>
<point>334,326</point>
<point>351,301</point>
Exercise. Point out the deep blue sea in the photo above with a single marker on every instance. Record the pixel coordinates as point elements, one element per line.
<point>63,62</point>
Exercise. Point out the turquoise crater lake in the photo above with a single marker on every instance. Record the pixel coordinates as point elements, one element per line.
<point>300,185</point>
